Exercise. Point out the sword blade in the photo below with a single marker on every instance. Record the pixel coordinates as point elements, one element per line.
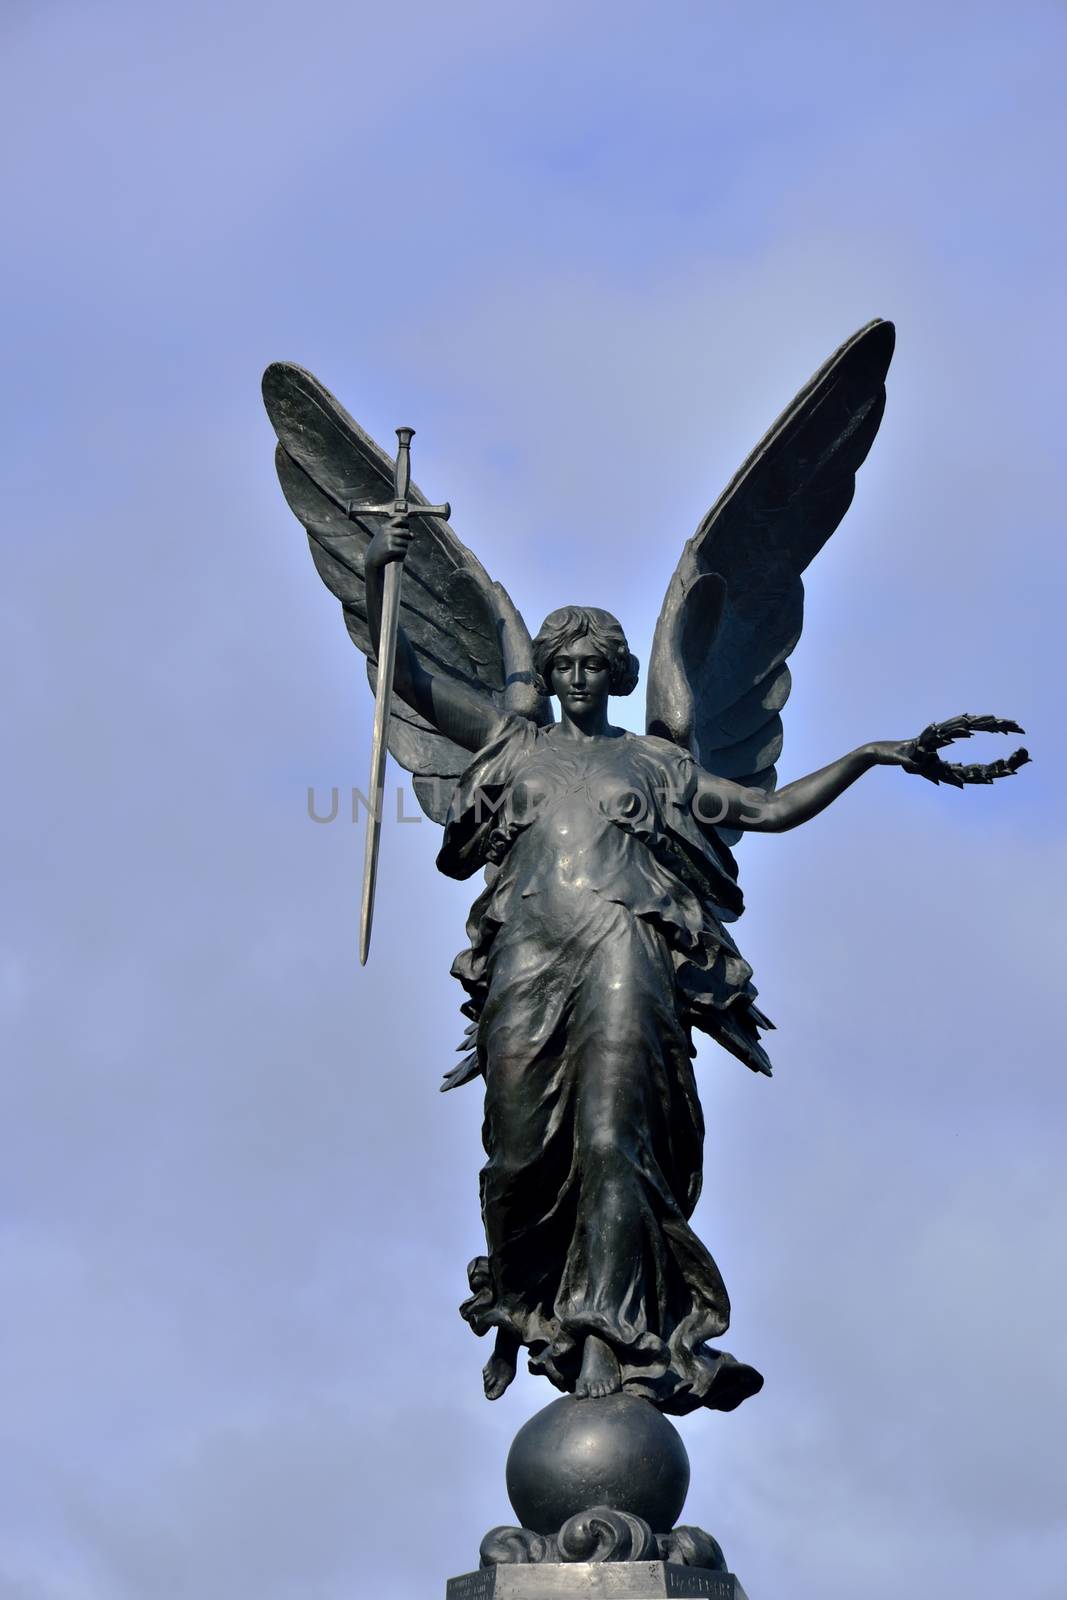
<point>376,790</point>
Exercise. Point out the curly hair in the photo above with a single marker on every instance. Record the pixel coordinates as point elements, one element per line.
<point>563,627</point>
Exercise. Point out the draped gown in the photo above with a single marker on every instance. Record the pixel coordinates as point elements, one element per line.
<point>595,949</point>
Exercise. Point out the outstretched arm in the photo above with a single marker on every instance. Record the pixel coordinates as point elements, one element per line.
<point>753,811</point>
<point>455,711</point>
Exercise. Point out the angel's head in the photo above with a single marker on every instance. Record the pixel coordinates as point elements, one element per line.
<point>589,641</point>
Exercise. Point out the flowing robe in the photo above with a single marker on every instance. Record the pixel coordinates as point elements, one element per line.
<point>596,947</point>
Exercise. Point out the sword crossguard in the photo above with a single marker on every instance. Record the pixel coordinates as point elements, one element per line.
<point>397,508</point>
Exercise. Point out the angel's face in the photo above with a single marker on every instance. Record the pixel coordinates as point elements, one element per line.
<point>580,677</point>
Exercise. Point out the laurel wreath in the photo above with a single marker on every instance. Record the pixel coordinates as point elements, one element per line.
<point>926,763</point>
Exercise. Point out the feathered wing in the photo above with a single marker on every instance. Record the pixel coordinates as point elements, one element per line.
<point>460,623</point>
<point>734,610</point>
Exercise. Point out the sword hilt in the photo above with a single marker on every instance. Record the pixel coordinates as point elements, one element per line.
<point>399,505</point>
<point>402,476</point>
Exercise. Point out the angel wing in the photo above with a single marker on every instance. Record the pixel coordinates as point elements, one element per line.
<point>734,609</point>
<point>461,624</point>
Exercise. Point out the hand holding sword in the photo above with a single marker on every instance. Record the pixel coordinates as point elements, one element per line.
<point>387,551</point>
<point>391,543</point>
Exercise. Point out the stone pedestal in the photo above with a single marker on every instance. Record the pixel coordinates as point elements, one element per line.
<point>595,1580</point>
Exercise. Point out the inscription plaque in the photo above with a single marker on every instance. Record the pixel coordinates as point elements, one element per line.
<point>595,1580</point>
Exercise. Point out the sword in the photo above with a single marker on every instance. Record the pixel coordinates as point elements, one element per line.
<point>399,506</point>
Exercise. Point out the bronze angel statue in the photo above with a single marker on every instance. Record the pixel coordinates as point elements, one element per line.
<point>601,939</point>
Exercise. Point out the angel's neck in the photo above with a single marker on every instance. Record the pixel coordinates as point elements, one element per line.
<point>593,726</point>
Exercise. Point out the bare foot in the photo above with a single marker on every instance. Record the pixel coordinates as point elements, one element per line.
<point>500,1368</point>
<point>600,1374</point>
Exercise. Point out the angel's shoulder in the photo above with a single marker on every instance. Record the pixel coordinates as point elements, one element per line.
<point>664,750</point>
<point>511,735</point>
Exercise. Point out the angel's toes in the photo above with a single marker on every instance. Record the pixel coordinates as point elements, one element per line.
<point>497,1375</point>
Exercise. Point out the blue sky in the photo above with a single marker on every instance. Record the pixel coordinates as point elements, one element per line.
<point>589,252</point>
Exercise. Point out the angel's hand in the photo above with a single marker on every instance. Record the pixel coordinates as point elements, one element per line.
<point>920,755</point>
<point>390,543</point>
<point>895,753</point>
